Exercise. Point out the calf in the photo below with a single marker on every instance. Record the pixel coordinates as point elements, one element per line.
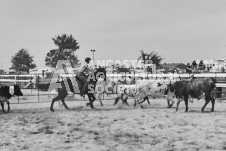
<point>101,86</point>
<point>195,88</point>
<point>6,92</point>
<point>125,91</point>
<point>150,88</point>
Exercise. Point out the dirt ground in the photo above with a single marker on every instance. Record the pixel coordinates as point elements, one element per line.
<point>32,126</point>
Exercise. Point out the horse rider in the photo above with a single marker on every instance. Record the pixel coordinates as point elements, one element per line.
<point>82,73</point>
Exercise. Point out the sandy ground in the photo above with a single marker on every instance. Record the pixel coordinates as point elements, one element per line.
<point>32,126</point>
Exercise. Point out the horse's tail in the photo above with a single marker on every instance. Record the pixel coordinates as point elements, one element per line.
<point>213,82</point>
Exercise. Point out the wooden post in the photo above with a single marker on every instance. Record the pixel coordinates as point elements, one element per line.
<point>38,88</point>
<point>15,79</point>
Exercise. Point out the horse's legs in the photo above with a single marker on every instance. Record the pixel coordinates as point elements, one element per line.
<point>65,105</point>
<point>207,98</point>
<point>213,102</point>
<point>87,104</point>
<point>2,104</point>
<point>54,99</point>
<point>93,96</point>
<point>8,105</point>
<point>90,100</point>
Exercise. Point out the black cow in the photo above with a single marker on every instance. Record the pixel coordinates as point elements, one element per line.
<point>195,88</point>
<point>6,92</point>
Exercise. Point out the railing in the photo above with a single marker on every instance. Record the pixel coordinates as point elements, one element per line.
<point>133,75</point>
<point>16,78</point>
<point>172,77</point>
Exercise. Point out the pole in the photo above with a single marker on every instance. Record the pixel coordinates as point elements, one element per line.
<point>93,56</point>
<point>38,88</point>
<point>16,83</point>
<point>92,50</point>
<point>218,67</point>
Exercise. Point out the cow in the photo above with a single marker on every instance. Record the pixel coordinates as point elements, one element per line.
<point>110,87</point>
<point>195,88</point>
<point>144,89</point>
<point>102,86</point>
<point>126,80</point>
<point>125,91</point>
<point>152,88</point>
<point>6,92</point>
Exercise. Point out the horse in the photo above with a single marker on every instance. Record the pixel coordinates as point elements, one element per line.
<point>92,80</point>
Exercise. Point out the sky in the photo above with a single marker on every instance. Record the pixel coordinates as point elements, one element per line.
<point>178,30</point>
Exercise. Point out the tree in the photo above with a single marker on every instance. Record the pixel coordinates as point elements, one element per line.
<point>150,57</point>
<point>67,47</point>
<point>201,65</point>
<point>194,66</point>
<point>22,61</point>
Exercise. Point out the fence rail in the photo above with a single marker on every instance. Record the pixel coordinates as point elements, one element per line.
<point>220,86</point>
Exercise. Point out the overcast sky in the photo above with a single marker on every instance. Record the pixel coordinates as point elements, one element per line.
<point>178,30</point>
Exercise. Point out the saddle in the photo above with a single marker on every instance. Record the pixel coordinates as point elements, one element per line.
<point>80,82</point>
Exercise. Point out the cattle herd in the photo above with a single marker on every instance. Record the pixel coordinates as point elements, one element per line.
<point>141,91</point>
<point>194,88</point>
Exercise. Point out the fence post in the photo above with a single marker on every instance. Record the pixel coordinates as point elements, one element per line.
<point>17,80</point>
<point>31,83</point>
<point>38,88</point>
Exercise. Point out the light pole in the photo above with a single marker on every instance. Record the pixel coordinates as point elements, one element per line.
<point>218,67</point>
<point>92,50</point>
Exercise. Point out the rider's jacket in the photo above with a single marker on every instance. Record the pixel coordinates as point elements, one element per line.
<point>85,68</point>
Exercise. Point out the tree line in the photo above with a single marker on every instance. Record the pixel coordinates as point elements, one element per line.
<point>66,47</point>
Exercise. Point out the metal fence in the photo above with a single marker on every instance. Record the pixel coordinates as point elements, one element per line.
<point>34,95</point>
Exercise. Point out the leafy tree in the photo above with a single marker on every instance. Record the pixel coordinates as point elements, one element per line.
<point>194,64</point>
<point>201,65</point>
<point>66,48</point>
<point>150,57</point>
<point>22,61</point>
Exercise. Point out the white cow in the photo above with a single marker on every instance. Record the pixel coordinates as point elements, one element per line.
<point>131,91</point>
<point>152,88</point>
<point>125,91</point>
<point>108,87</point>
